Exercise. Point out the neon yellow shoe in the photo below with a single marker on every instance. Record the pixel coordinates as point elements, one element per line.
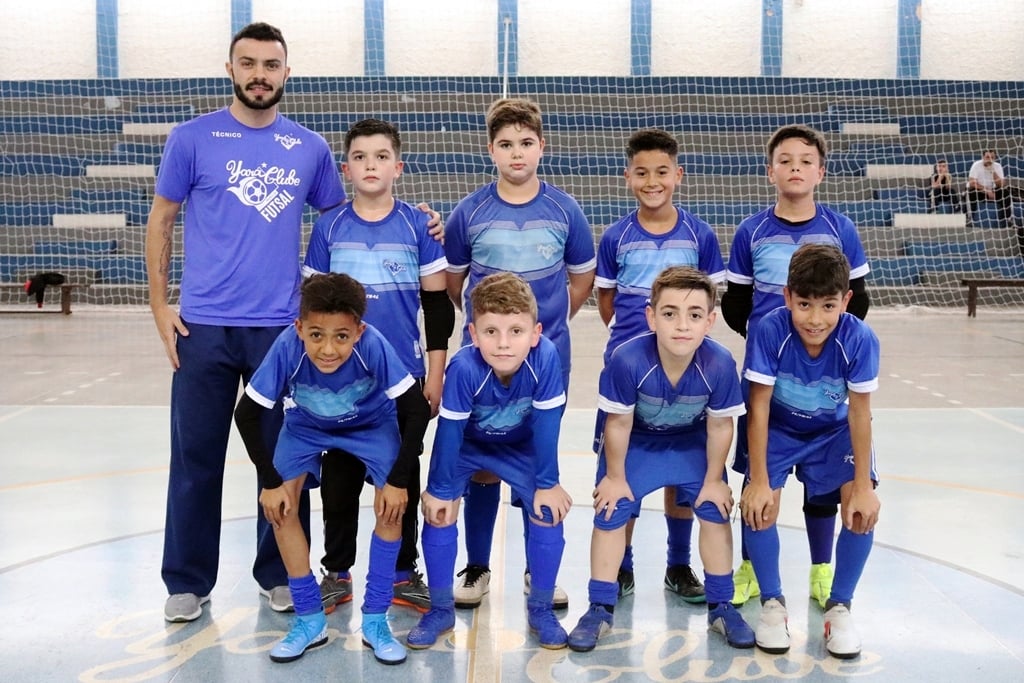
<point>821,582</point>
<point>745,584</point>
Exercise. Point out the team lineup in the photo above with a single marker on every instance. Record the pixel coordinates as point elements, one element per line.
<point>341,378</point>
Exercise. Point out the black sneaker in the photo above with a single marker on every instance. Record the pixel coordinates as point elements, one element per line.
<point>627,583</point>
<point>681,580</point>
<point>412,593</point>
<point>334,591</point>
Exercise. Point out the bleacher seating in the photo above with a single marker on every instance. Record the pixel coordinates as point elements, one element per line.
<point>721,123</point>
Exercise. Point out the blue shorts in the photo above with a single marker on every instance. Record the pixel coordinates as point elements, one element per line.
<point>506,461</point>
<point>823,462</point>
<point>300,450</point>
<point>654,463</point>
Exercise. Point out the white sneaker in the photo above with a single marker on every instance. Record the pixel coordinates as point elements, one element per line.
<point>279,597</point>
<point>560,599</point>
<point>841,638</point>
<point>474,583</point>
<point>772,631</point>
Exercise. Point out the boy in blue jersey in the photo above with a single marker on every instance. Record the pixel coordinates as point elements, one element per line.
<point>523,225</point>
<point>812,368</point>
<point>669,397</point>
<point>500,412</point>
<point>385,244</point>
<point>337,378</point>
<point>632,252</point>
<point>758,267</point>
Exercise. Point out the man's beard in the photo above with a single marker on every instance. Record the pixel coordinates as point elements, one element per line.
<point>258,105</point>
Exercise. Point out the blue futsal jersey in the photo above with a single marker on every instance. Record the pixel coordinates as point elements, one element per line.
<point>764,245</point>
<point>542,241</point>
<point>359,394</point>
<point>244,191</point>
<point>634,382</point>
<point>629,259</point>
<point>388,257</point>
<point>481,416</point>
<point>810,394</point>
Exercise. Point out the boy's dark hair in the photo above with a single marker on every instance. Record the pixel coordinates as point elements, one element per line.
<point>258,31</point>
<point>503,294</point>
<point>683,277</point>
<point>652,139</point>
<point>797,130</point>
<point>513,111</point>
<point>332,293</point>
<point>818,270</point>
<point>368,127</point>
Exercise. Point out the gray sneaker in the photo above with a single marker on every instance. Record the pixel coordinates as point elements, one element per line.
<point>279,597</point>
<point>184,607</point>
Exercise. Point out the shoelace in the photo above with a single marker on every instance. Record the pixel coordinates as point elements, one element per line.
<point>473,574</point>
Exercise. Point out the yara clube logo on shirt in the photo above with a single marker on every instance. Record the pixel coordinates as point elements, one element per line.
<point>263,187</point>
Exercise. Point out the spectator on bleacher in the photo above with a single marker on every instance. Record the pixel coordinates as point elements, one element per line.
<point>757,273</point>
<point>632,251</point>
<point>942,190</point>
<point>987,182</point>
<point>246,173</point>
<point>521,224</point>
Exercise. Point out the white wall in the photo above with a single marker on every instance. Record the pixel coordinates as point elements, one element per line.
<point>830,38</point>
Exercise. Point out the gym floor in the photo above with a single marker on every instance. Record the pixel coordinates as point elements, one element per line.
<point>84,443</point>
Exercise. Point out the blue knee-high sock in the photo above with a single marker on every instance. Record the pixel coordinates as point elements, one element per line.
<point>744,553</point>
<point>763,547</point>
<point>718,587</point>
<point>440,545</point>
<point>480,510</point>
<point>679,533</point>
<point>820,537</point>
<point>627,559</point>
<point>544,551</point>
<point>852,552</point>
<point>305,594</point>
<point>380,578</point>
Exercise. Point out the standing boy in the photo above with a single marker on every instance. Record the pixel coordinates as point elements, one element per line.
<point>632,252</point>
<point>811,369</point>
<point>758,268</point>
<point>669,397</point>
<point>337,378</point>
<point>500,412</point>
<point>524,225</point>
<point>384,243</point>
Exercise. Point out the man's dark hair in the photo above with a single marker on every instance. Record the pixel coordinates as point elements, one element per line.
<point>258,31</point>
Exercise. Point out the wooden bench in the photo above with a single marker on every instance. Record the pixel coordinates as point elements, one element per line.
<point>76,278</point>
<point>972,285</point>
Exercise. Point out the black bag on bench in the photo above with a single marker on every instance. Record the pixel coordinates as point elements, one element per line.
<point>38,282</point>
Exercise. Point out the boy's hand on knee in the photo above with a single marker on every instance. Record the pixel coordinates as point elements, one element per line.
<point>758,506</point>
<point>389,506</point>
<point>860,514</point>
<point>608,492</point>
<point>555,499</point>
<point>438,512</point>
<point>718,492</point>
<point>277,505</point>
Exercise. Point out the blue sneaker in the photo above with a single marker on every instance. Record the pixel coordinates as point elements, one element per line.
<point>727,620</point>
<point>549,632</point>
<point>591,626</point>
<point>307,632</point>
<point>377,635</point>
<point>433,625</point>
